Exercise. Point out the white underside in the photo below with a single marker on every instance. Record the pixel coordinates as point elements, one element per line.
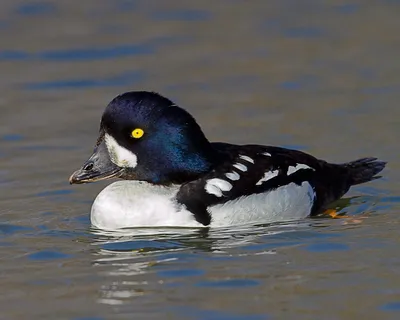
<point>127,204</point>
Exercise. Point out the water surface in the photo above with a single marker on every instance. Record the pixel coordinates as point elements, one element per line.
<point>319,76</point>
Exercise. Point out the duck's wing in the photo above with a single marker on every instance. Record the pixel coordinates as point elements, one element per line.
<point>253,170</point>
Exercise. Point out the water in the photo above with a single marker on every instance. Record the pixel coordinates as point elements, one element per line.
<point>319,76</point>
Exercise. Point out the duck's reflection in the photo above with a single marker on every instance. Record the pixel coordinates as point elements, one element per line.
<point>142,261</point>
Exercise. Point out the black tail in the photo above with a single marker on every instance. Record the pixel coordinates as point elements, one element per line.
<point>364,170</point>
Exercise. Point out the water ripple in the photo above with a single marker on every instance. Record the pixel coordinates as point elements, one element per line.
<point>36,8</point>
<point>124,79</point>
<point>48,255</point>
<point>196,313</point>
<point>182,15</point>
<point>97,53</point>
<point>12,137</point>
<point>229,283</point>
<point>9,229</point>
<point>93,53</point>
<point>327,247</point>
<point>304,32</point>
<point>62,192</point>
<point>391,306</point>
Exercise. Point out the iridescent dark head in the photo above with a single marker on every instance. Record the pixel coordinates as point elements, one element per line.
<point>144,136</point>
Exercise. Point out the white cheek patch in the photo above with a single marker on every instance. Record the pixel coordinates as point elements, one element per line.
<point>297,167</point>
<point>246,158</point>
<point>240,167</point>
<point>216,186</point>
<point>232,176</point>
<point>119,155</point>
<point>267,175</point>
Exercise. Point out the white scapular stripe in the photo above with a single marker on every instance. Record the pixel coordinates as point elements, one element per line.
<point>232,176</point>
<point>266,154</point>
<point>267,175</point>
<point>246,158</point>
<point>216,186</point>
<point>240,167</point>
<point>298,167</point>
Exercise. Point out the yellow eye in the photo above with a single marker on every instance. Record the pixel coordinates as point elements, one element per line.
<point>137,133</point>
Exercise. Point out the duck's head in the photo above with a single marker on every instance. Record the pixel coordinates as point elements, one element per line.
<point>144,136</point>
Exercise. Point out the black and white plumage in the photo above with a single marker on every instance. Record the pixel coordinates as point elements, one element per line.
<point>252,170</point>
<point>175,177</point>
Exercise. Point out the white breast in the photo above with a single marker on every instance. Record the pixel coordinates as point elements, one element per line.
<point>127,204</point>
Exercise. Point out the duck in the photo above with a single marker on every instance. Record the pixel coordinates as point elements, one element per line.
<point>171,175</point>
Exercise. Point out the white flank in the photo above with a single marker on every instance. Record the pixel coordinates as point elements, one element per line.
<point>266,154</point>
<point>267,175</point>
<point>246,158</point>
<point>240,167</point>
<point>130,204</point>
<point>232,176</point>
<point>298,167</point>
<point>216,186</point>
<point>119,155</point>
<point>289,202</point>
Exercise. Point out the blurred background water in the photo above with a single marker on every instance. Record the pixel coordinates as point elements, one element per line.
<point>319,76</point>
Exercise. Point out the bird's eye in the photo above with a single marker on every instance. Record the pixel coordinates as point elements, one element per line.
<point>137,133</point>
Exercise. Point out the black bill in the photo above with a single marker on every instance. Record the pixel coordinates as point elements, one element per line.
<point>98,167</point>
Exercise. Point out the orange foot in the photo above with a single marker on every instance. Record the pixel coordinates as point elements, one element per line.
<point>334,214</point>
